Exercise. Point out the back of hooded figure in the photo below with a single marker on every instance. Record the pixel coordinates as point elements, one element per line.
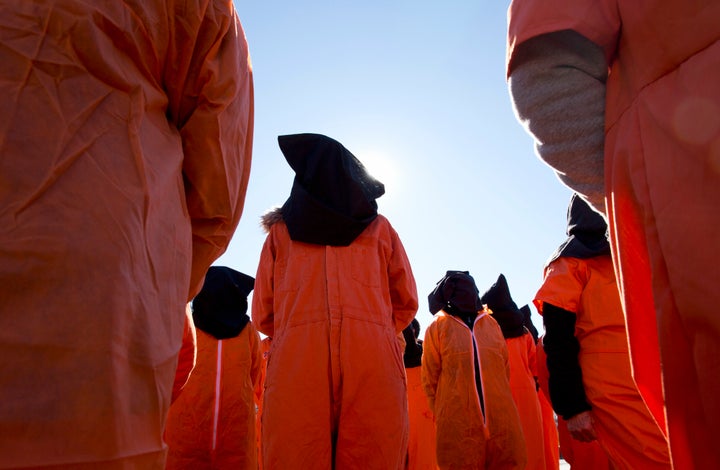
<point>466,377</point>
<point>211,425</point>
<point>333,290</point>
<point>523,370</point>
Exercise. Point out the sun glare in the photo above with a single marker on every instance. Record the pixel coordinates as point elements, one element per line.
<point>382,168</point>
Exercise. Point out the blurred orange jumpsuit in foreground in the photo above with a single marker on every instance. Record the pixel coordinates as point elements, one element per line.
<point>333,296</point>
<point>212,423</point>
<point>585,327</point>
<point>580,455</point>
<point>521,355</point>
<point>125,146</point>
<point>466,376</point>
<point>654,116</point>
<point>421,443</point>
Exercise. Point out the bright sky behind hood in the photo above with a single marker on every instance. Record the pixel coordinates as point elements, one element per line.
<point>416,90</point>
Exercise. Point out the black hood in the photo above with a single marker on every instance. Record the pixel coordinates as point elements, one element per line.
<point>333,196</point>
<point>586,230</point>
<point>528,323</point>
<point>412,357</point>
<point>504,309</point>
<point>220,309</point>
<point>456,293</point>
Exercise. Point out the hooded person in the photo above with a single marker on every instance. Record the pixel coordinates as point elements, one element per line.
<point>590,380</point>
<point>421,444</point>
<point>466,377</point>
<point>550,429</point>
<point>125,150</point>
<point>334,290</point>
<point>212,423</point>
<point>523,370</point>
<point>621,99</point>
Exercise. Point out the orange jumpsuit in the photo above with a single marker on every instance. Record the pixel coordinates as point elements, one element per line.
<point>661,132</point>
<point>467,437</point>
<point>259,389</point>
<point>125,146</point>
<point>335,389</point>
<point>580,455</point>
<point>421,444</point>
<point>212,423</point>
<point>550,433</point>
<point>623,424</point>
<point>521,355</point>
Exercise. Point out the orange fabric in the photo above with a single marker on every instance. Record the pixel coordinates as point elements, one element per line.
<point>580,455</point>
<point>550,433</point>
<point>187,356</point>
<point>212,423</point>
<point>624,425</point>
<point>421,444</point>
<point>467,438</point>
<point>335,384</point>
<point>521,355</point>
<point>125,137</point>
<point>661,132</point>
<point>259,390</point>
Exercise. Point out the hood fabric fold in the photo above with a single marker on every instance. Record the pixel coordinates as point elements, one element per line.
<point>333,196</point>
<point>220,309</point>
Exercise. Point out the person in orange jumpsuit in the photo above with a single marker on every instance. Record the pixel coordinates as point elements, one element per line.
<point>125,151</point>
<point>521,354</point>
<point>622,100</point>
<point>421,443</point>
<point>466,377</point>
<point>334,290</point>
<point>550,430</point>
<point>590,381</point>
<point>580,455</point>
<point>212,423</point>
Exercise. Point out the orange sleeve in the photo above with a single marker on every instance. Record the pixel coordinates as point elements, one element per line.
<point>212,104</point>
<point>564,279</point>
<point>263,294</point>
<point>403,291</point>
<point>255,356</point>
<point>431,365</point>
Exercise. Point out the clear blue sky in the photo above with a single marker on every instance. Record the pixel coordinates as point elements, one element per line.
<point>416,90</point>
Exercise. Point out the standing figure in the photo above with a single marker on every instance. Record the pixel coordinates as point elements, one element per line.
<point>621,97</point>
<point>125,148</point>
<point>212,423</point>
<point>523,374</point>
<point>550,429</point>
<point>466,377</point>
<point>334,290</point>
<point>421,445</point>
<point>590,381</point>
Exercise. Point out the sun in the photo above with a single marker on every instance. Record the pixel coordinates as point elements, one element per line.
<point>381,167</point>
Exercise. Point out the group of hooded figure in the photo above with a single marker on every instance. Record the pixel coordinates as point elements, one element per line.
<point>345,381</point>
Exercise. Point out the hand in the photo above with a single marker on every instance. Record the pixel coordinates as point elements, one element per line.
<point>581,427</point>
